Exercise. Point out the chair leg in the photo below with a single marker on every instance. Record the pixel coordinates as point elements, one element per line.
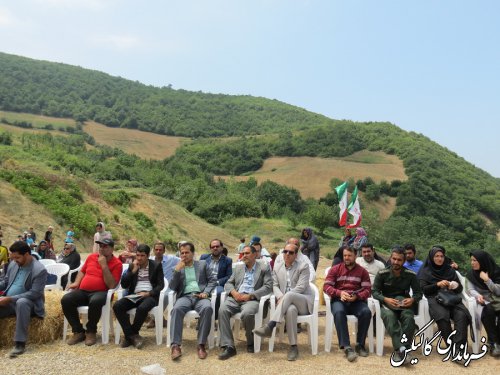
<point>328,334</point>
<point>271,340</point>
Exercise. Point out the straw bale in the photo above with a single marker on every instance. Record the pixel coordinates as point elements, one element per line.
<point>41,331</point>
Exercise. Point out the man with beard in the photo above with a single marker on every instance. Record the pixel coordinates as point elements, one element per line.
<point>392,288</point>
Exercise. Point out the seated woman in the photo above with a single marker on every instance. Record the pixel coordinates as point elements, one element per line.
<point>484,280</point>
<point>437,275</point>
<point>360,240</point>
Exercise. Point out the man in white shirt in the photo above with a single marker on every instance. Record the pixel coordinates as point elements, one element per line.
<point>368,261</point>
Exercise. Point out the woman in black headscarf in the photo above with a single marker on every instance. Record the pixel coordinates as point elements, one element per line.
<point>484,280</point>
<point>436,274</point>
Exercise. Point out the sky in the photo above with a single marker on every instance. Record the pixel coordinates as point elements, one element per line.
<point>432,67</point>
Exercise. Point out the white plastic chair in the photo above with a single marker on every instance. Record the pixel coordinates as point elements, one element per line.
<point>311,320</point>
<point>475,310</point>
<point>71,272</point>
<point>156,312</point>
<point>106,319</point>
<point>191,316</point>
<point>350,319</point>
<point>46,262</point>
<point>59,270</point>
<point>259,321</point>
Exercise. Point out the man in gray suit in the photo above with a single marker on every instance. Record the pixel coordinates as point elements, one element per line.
<point>250,281</point>
<point>22,291</point>
<point>193,283</point>
<point>294,297</point>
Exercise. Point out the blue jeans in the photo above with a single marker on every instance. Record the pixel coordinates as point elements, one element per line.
<point>360,309</point>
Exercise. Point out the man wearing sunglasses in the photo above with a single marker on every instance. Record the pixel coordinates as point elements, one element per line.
<point>293,294</point>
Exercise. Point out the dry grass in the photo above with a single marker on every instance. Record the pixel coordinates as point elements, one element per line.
<point>58,358</point>
<point>311,176</point>
<point>143,144</point>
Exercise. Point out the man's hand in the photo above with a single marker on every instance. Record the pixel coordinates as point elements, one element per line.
<point>201,295</point>
<point>244,297</point>
<point>180,266</point>
<point>135,266</point>
<point>407,302</point>
<point>344,296</point>
<point>73,286</point>
<point>4,301</point>
<point>484,276</point>
<point>103,262</point>
<point>480,299</point>
<point>391,302</point>
<point>144,294</point>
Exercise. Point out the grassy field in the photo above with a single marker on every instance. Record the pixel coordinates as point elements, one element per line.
<point>38,121</point>
<point>311,176</point>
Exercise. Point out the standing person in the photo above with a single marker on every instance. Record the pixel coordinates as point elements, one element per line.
<point>368,261</point>
<point>100,272</point>
<point>239,250</point>
<point>144,280</point>
<point>348,285</point>
<point>360,240</point>
<point>72,258</point>
<point>310,246</point>
<point>193,283</point>
<point>23,292</point>
<point>294,297</point>
<point>412,263</point>
<point>70,234</point>
<point>31,231</point>
<point>100,234</point>
<point>48,237</point>
<point>250,281</point>
<point>348,238</point>
<point>437,275</point>
<point>392,289</point>
<point>484,282</point>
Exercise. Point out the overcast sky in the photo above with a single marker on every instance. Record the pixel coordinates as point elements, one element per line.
<point>425,65</point>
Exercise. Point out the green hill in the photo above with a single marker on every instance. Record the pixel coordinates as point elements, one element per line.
<point>444,200</point>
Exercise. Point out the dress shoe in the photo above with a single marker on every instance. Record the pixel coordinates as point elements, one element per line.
<point>137,341</point>
<point>229,351</point>
<point>350,354</point>
<point>125,343</point>
<point>76,338</point>
<point>176,352</point>
<point>90,338</point>
<point>250,349</point>
<point>293,353</point>
<point>202,353</point>
<point>19,349</point>
<point>263,331</point>
<point>360,349</point>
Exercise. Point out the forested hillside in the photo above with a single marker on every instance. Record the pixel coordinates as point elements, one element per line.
<point>62,90</point>
<point>445,199</point>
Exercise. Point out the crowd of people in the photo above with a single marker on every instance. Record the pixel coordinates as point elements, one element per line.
<point>357,273</point>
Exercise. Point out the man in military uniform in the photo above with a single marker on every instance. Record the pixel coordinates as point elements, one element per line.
<point>392,288</point>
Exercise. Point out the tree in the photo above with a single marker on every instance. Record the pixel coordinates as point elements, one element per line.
<point>320,216</point>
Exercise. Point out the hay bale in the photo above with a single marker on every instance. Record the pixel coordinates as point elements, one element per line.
<point>319,283</point>
<point>41,331</point>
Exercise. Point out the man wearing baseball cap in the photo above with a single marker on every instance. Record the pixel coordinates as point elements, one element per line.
<point>100,272</point>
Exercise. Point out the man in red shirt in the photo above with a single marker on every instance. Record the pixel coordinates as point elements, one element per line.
<point>101,271</point>
<point>348,285</point>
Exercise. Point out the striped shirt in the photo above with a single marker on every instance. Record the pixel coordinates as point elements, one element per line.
<point>341,279</point>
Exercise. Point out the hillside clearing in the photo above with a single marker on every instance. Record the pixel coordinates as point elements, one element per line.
<point>311,175</point>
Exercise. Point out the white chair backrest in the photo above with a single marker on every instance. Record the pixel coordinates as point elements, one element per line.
<point>58,269</point>
<point>45,262</point>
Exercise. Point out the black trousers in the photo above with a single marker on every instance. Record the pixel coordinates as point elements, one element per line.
<point>143,306</point>
<point>491,322</point>
<point>94,300</point>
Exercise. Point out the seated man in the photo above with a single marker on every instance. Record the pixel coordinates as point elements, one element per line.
<point>391,287</point>
<point>348,285</point>
<point>368,262</point>
<point>300,257</point>
<point>412,263</point>
<point>100,272</point>
<point>221,267</point>
<point>294,297</point>
<point>22,292</point>
<point>144,281</point>
<point>250,281</point>
<point>72,258</point>
<point>193,283</point>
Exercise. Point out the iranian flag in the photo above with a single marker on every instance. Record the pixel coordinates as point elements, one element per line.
<point>354,209</point>
<point>342,194</point>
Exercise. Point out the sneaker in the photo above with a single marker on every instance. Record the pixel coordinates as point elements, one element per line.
<point>293,353</point>
<point>360,349</point>
<point>263,331</point>
<point>76,338</point>
<point>137,341</point>
<point>90,338</point>
<point>19,349</point>
<point>350,354</point>
<point>396,356</point>
<point>495,351</point>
